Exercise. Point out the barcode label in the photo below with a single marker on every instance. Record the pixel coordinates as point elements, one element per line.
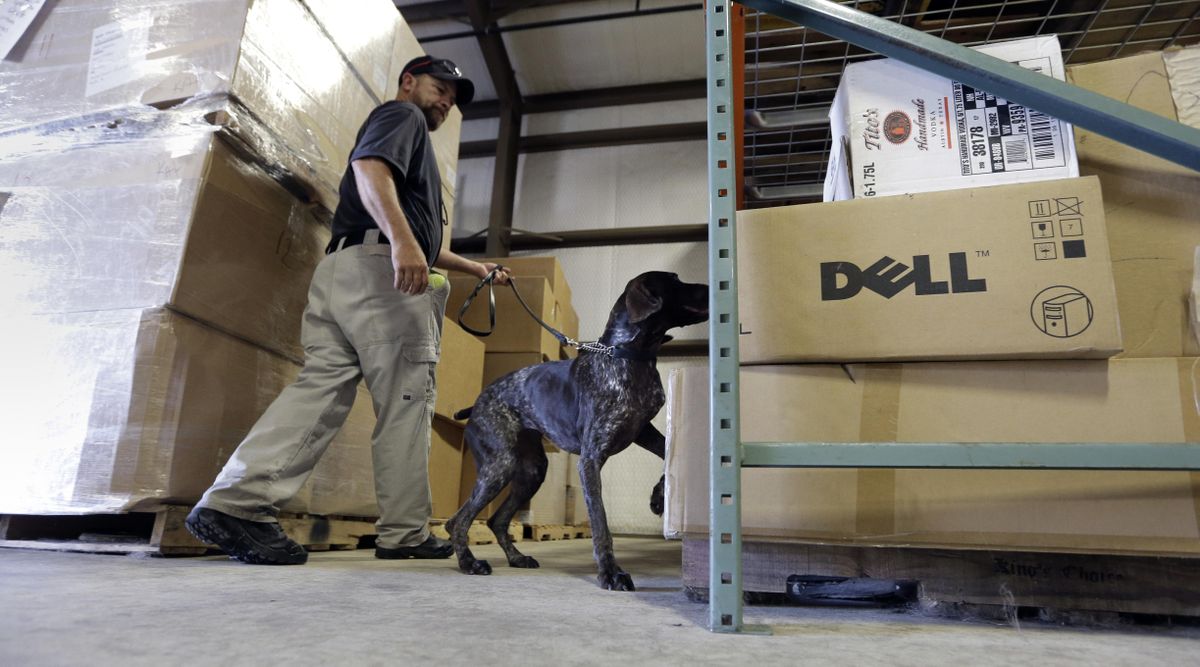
<point>1016,153</point>
<point>1041,130</point>
<point>995,135</point>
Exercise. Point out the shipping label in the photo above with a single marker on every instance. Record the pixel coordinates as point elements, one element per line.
<point>996,135</point>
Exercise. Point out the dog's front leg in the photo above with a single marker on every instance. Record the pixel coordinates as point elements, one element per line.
<point>652,440</point>
<point>611,576</point>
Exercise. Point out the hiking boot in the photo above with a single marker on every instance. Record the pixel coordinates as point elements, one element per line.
<point>255,542</point>
<point>430,548</point>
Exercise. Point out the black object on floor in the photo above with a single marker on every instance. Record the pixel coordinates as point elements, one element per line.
<point>809,588</point>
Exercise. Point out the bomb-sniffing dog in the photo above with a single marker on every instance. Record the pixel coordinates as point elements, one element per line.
<point>595,406</point>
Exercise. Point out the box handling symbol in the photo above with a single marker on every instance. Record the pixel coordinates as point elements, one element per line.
<point>1061,311</point>
<point>1067,315</point>
<point>1067,206</point>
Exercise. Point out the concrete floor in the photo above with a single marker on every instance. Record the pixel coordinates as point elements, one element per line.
<point>348,608</point>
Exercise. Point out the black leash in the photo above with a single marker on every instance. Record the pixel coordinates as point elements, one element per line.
<point>488,281</point>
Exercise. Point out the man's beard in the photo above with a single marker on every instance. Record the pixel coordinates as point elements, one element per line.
<point>432,118</point>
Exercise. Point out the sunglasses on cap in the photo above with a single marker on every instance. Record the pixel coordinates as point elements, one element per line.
<point>446,70</point>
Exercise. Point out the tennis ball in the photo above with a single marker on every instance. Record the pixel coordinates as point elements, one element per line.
<point>436,280</point>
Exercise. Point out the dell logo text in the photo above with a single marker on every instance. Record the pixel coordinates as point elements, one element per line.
<point>887,278</point>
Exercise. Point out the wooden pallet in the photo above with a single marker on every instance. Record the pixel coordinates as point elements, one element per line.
<point>162,532</point>
<point>478,533</point>
<point>1044,584</point>
<point>544,532</point>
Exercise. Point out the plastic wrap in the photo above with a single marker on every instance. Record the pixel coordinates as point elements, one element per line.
<point>147,210</point>
<point>370,28</point>
<point>285,74</point>
<point>1183,70</point>
<point>81,56</point>
<point>672,495</point>
<point>150,261</point>
<point>122,410</point>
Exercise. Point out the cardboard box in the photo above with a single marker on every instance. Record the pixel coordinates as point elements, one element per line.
<point>459,371</point>
<point>445,146</point>
<point>449,200</point>
<point>445,468</point>
<point>467,478</point>
<point>1152,206</point>
<point>899,129</point>
<point>570,327</point>
<point>272,57</point>
<point>1015,271</point>
<point>548,506</point>
<point>303,74</point>
<point>165,219</point>
<point>577,513</point>
<point>498,364</point>
<point>366,34</point>
<point>538,266</point>
<point>1056,402</point>
<point>544,266</point>
<point>515,330</point>
<point>158,212</point>
<point>126,410</point>
<point>547,267</point>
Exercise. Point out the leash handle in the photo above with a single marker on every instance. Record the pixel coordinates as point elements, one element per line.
<point>488,280</point>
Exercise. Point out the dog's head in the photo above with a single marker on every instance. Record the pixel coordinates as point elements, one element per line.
<point>654,302</point>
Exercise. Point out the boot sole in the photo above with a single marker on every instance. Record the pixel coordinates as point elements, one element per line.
<point>240,547</point>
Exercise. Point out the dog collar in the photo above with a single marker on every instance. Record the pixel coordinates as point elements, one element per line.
<point>618,352</point>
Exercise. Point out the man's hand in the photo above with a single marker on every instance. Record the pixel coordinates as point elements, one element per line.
<point>412,273</point>
<point>501,276</point>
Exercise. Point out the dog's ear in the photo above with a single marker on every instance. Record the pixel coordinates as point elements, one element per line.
<point>640,303</point>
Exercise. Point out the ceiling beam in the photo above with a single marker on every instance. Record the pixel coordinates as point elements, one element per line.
<point>589,238</point>
<point>431,11</point>
<point>555,23</point>
<point>621,136</point>
<point>667,91</point>
<point>494,54</point>
<point>504,177</point>
<point>439,10</point>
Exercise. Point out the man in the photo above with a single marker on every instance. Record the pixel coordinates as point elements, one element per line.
<point>371,314</point>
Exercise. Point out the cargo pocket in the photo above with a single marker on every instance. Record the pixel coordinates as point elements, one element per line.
<point>421,360</point>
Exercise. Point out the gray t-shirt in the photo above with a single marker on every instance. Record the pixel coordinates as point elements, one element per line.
<point>397,133</point>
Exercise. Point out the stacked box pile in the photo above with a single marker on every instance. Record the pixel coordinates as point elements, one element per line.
<point>167,172</point>
<point>925,318</point>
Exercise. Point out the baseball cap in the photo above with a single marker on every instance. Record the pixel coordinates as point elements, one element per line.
<point>443,69</point>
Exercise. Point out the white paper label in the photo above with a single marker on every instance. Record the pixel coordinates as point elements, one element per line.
<point>15,18</point>
<point>1194,297</point>
<point>1183,71</point>
<point>995,135</point>
<point>117,51</point>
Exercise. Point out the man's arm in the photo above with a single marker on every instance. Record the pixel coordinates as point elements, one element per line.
<point>377,190</point>
<point>453,262</point>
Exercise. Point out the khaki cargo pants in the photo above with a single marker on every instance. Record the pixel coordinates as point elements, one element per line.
<point>356,325</point>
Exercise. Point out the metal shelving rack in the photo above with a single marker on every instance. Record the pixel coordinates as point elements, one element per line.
<point>728,454</point>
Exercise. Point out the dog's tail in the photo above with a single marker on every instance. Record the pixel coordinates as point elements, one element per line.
<point>464,413</point>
